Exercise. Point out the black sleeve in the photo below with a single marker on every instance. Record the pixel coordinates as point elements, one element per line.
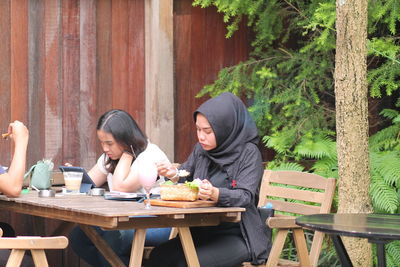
<point>189,165</point>
<point>246,182</point>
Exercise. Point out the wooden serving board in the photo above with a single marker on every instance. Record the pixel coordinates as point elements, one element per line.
<point>183,204</point>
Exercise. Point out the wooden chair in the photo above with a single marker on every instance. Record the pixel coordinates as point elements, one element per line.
<point>316,195</point>
<point>35,244</point>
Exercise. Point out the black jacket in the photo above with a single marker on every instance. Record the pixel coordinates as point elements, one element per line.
<point>245,175</point>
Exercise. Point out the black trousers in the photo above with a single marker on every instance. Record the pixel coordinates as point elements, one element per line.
<point>212,251</point>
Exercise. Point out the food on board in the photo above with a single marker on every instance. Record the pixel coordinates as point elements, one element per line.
<point>187,191</point>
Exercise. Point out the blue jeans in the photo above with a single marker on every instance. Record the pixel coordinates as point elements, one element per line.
<point>119,240</point>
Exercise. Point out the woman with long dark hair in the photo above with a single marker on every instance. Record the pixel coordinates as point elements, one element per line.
<point>124,146</point>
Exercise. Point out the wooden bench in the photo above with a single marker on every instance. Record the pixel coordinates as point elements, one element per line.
<point>35,244</point>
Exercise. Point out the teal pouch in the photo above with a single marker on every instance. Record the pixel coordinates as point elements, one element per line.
<point>40,174</point>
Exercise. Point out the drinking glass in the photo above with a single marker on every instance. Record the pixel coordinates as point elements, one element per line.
<point>147,177</point>
<point>73,181</point>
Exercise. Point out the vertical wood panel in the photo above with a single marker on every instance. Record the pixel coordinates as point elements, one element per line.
<point>104,60</point>
<point>19,60</point>
<point>215,44</point>
<point>119,44</point>
<point>88,90</point>
<point>5,78</point>
<point>198,54</point>
<point>198,63</point>
<point>44,91</point>
<point>70,80</point>
<point>182,41</point>
<point>159,75</point>
<point>19,88</point>
<point>52,81</point>
<point>35,79</point>
<point>136,83</point>
<point>241,43</point>
<point>205,53</point>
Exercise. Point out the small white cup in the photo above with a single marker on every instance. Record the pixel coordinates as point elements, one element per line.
<point>73,181</point>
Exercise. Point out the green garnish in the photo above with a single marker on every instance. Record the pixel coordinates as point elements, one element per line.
<point>192,185</point>
<point>169,183</point>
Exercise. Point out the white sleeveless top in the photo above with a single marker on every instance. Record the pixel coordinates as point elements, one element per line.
<point>152,153</point>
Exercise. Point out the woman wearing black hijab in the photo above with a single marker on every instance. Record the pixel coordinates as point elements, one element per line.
<point>228,162</point>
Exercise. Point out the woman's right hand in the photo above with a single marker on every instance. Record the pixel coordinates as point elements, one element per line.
<point>18,132</point>
<point>166,169</point>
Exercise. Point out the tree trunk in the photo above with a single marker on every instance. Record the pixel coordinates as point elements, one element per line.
<point>352,118</point>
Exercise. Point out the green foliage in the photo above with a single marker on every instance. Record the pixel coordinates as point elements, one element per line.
<point>385,12</point>
<point>289,75</point>
<point>286,166</point>
<point>389,137</point>
<point>328,256</point>
<point>385,165</point>
<point>393,255</point>
<point>316,147</point>
<point>384,197</point>
<point>384,78</point>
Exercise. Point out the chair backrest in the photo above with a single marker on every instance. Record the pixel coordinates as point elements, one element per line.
<point>314,192</point>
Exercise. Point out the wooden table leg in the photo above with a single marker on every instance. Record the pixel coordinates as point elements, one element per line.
<point>39,257</point>
<point>64,228</point>
<point>15,258</point>
<point>102,246</point>
<point>188,247</point>
<point>137,248</point>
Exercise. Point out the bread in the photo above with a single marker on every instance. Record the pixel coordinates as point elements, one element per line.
<point>179,192</point>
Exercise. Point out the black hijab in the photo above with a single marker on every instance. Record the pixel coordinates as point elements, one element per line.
<point>233,128</point>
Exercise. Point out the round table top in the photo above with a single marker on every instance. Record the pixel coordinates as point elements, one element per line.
<point>372,226</point>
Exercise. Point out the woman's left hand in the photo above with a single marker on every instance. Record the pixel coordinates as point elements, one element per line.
<point>207,191</point>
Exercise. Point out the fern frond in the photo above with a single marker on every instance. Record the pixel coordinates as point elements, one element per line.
<point>390,113</point>
<point>386,139</point>
<point>326,167</point>
<point>393,251</point>
<point>384,197</point>
<point>387,165</point>
<point>282,142</point>
<point>288,166</point>
<point>316,147</point>
<point>389,261</point>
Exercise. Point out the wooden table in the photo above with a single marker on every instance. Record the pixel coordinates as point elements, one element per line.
<point>112,215</point>
<point>377,228</point>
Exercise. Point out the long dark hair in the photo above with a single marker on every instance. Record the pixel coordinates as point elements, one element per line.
<point>125,131</point>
